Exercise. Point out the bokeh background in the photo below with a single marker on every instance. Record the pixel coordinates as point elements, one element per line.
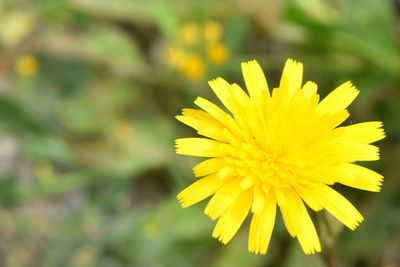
<point>88,94</point>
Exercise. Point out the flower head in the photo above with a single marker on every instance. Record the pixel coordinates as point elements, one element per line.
<point>189,33</point>
<point>194,68</point>
<point>218,53</point>
<point>26,65</point>
<point>212,31</point>
<point>278,150</point>
<point>196,48</point>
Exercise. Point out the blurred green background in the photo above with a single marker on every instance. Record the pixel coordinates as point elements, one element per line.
<point>88,94</point>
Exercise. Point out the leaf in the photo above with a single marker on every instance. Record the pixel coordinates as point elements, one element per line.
<point>162,13</point>
<point>14,117</point>
<point>47,147</point>
<point>105,46</point>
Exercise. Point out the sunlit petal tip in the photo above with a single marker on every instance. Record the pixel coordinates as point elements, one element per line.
<point>219,86</point>
<point>186,111</point>
<point>254,78</point>
<point>293,63</point>
<point>179,117</point>
<point>251,61</point>
<point>182,200</point>
<point>339,99</point>
<point>197,100</point>
<point>357,223</point>
<point>212,81</point>
<point>289,61</point>
<point>179,146</point>
<point>211,213</point>
<point>218,83</point>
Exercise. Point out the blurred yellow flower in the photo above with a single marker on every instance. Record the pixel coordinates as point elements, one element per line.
<point>217,53</point>
<point>176,57</point>
<point>15,26</point>
<point>123,130</point>
<point>26,65</point>
<point>194,68</point>
<point>277,150</point>
<point>189,33</point>
<point>196,47</point>
<point>212,31</point>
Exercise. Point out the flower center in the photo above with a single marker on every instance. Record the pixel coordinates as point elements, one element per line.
<point>271,169</point>
<point>275,172</point>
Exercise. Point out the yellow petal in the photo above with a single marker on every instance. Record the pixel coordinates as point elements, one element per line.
<point>285,209</point>
<point>338,206</point>
<point>232,219</point>
<point>309,198</point>
<point>219,115</point>
<point>330,121</point>
<point>247,182</point>
<point>212,109</point>
<point>223,198</point>
<point>301,226</point>
<point>309,89</point>
<point>338,100</point>
<point>206,129</point>
<point>258,199</point>
<point>199,190</point>
<point>306,233</point>
<point>209,166</point>
<point>362,133</point>
<point>292,76</point>
<point>200,115</point>
<point>226,172</point>
<point>221,89</point>
<point>261,228</point>
<point>239,102</point>
<point>356,152</point>
<point>254,78</point>
<point>359,177</point>
<point>200,147</point>
<point>240,107</point>
<point>240,95</point>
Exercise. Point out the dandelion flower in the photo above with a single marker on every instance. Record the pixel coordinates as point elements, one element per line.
<point>27,65</point>
<point>194,68</point>
<point>189,33</point>
<point>281,150</point>
<point>218,53</point>
<point>176,57</point>
<point>212,31</point>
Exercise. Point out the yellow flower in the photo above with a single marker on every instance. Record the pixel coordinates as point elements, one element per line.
<point>176,57</point>
<point>212,31</point>
<point>194,68</point>
<point>281,150</point>
<point>218,53</point>
<point>189,33</point>
<point>26,65</point>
